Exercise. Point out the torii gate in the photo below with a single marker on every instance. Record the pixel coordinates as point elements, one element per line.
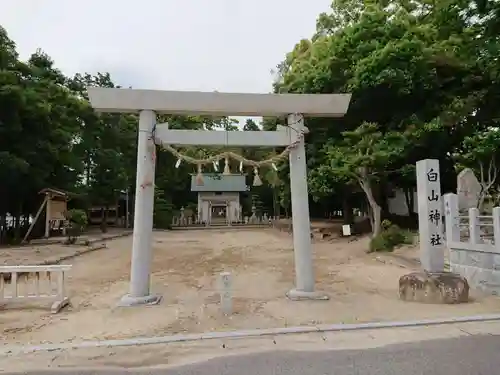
<point>150,102</point>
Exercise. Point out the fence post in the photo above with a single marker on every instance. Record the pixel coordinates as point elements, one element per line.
<point>60,286</point>
<point>13,283</point>
<point>496,228</point>
<point>2,286</point>
<point>451,219</point>
<point>474,228</point>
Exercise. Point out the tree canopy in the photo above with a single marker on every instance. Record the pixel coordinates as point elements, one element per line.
<point>424,82</point>
<point>424,77</point>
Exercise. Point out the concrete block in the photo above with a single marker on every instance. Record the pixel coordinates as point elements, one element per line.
<point>478,259</point>
<point>495,262</point>
<point>457,268</point>
<point>477,276</point>
<point>492,286</point>
<point>456,256</point>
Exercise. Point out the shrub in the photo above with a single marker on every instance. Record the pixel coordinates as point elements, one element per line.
<point>163,211</point>
<point>77,222</point>
<point>391,237</point>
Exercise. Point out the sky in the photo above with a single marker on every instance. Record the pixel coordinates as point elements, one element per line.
<point>200,45</point>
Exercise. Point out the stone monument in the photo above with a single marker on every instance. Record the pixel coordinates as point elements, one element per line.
<point>468,190</point>
<point>432,284</point>
<point>253,219</point>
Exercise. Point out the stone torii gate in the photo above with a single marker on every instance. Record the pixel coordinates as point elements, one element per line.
<point>148,103</point>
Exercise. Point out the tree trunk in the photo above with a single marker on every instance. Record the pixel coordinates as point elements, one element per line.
<point>482,196</point>
<point>380,195</point>
<point>377,219</point>
<point>412,203</point>
<point>17,227</point>
<point>370,216</point>
<point>486,182</point>
<point>3,229</point>
<point>104,219</point>
<point>409,201</point>
<point>347,212</point>
<point>375,209</point>
<point>480,202</point>
<point>276,205</point>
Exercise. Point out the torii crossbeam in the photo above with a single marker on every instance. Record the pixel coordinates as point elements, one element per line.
<point>150,102</point>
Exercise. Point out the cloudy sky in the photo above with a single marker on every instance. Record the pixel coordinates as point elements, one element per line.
<point>206,45</point>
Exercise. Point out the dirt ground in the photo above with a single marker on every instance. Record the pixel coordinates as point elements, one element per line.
<point>44,251</point>
<point>362,287</point>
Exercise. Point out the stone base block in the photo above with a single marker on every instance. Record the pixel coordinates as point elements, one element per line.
<point>59,305</point>
<point>129,301</point>
<point>299,295</point>
<point>436,287</point>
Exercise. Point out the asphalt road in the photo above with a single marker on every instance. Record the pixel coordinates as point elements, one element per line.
<point>470,355</point>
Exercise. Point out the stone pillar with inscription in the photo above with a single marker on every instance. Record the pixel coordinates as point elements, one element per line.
<point>430,215</point>
<point>432,284</point>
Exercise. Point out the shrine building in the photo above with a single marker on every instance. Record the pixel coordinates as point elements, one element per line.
<point>219,197</point>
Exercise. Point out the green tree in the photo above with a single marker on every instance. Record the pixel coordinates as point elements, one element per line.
<point>38,127</point>
<point>363,157</point>
<point>412,68</point>
<point>107,145</point>
<point>481,153</point>
<point>250,125</point>
<point>163,211</point>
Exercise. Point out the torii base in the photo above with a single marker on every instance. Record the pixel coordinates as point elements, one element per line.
<point>300,295</point>
<point>129,301</point>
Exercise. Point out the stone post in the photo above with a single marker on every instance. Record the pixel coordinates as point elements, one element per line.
<point>226,301</point>
<point>142,252</point>
<point>430,215</point>
<point>48,214</point>
<point>182,219</point>
<point>253,218</point>
<point>433,284</point>
<point>474,229</point>
<point>451,218</point>
<point>304,270</point>
<point>496,228</point>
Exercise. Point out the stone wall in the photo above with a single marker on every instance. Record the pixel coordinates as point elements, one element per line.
<point>480,268</point>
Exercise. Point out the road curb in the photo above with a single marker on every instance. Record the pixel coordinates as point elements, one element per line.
<point>7,350</point>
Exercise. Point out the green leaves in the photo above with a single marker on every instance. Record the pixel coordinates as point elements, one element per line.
<point>482,147</point>
<point>365,152</point>
<point>423,77</point>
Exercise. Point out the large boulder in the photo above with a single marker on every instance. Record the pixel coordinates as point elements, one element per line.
<point>436,287</point>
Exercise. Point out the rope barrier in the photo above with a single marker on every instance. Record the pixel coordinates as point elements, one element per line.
<point>227,155</point>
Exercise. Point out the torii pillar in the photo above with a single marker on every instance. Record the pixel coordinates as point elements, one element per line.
<point>148,103</point>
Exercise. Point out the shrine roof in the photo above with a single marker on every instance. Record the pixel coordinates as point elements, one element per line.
<point>217,182</point>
